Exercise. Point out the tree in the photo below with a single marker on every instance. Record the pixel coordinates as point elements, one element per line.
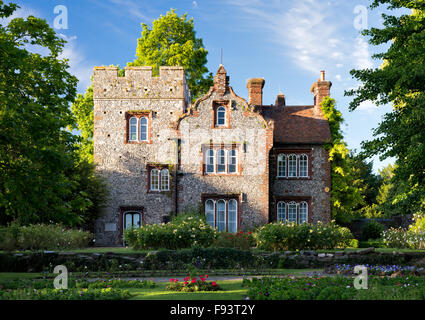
<point>172,42</point>
<point>400,81</point>
<point>346,186</point>
<point>82,108</point>
<point>41,177</point>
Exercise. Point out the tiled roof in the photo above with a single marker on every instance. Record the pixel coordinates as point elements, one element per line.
<point>297,124</point>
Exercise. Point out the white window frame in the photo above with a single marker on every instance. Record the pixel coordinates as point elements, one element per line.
<point>155,170</point>
<point>164,185</point>
<point>305,162</point>
<point>230,157</point>
<point>289,165</point>
<point>144,125</point>
<point>302,203</point>
<point>207,211</point>
<point>218,216</point>
<point>132,213</point>
<point>281,161</point>
<point>281,205</point>
<point>221,155</point>
<point>231,212</point>
<point>208,158</point>
<point>216,223</point>
<point>130,130</point>
<point>290,215</point>
<point>221,109</point>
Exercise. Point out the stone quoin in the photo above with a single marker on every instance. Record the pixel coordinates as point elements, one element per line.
<point>242,163</point>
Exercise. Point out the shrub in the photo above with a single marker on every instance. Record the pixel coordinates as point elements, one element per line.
<point>193,284</point>
<point>184,232</point>
<point>241,240</point>
<point>42,237</point>
<point>335,288</point>
<point>372,230</point>
<point>69,294</point>
<point>280,236</point>
<point>401,238</point>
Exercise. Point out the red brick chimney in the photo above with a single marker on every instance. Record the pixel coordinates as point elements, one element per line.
<point>255,91</point>
<point>280,100</point>
<point>321,88</point>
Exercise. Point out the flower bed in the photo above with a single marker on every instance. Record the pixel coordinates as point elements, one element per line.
<point>382,270</point>
<point>336,288</point>
<point>193,284</point>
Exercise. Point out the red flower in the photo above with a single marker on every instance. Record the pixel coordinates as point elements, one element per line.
<point>193,280</point>
<point>176,280</point>
<point>206,276</point>
<point>250,232</point>
<point>171,280</point>
<point>214,283</point>
<point>185,283</point>
<point>202,279</point>
<point>187,278</point>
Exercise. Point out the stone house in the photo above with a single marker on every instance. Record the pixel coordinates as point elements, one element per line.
<point>242,163</point>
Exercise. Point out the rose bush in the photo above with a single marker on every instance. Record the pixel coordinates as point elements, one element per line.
<point>280,236</point>
<point>185,232</point>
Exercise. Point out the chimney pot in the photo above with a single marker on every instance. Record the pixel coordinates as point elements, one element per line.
<point>322,75</point>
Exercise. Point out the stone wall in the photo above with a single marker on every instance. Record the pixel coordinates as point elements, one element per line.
<point>316,187</point>
<point>122,164</point>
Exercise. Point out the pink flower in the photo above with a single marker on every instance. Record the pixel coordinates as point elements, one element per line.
<point>171,280</point>
<point>214,283</point>
<point>193,280</point>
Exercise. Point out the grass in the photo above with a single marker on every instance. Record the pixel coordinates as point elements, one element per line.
<point>232,290</point>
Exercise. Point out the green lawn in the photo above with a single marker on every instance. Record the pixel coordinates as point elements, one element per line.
<point>232,290</point>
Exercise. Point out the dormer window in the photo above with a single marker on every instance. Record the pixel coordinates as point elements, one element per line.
<point>221,113</point>
<point>221,116</point>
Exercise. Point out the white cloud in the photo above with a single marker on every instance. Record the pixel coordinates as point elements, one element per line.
<point>361,54</point>
<point>367,106</point>
<point>132,8</point>
<point>308,32</point>
<point>79,65</point>
<point>195,4</point>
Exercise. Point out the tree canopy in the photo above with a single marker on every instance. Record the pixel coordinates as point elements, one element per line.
<point>400,81</point>
<point>346,183</point>
<point>171,41</point>
<point>40,173</point>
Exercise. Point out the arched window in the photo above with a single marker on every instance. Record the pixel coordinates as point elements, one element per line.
<point>132,219</point>
<point>133,129</point>
<point>232,216</point>
<point>232,160</point>
<point>292,212</point>
<point>210,212</point>
<point>221,116</point>
<point>292,165</point>
<point>221,215</point>
<point>281,212</point>
<point>210,161</point>
<point>221,161</point>
<point>303,212</point>
<point>165,180</point>
<point>154,179</point>
<point>143,129</point>
<point>303,165</point>
<point>281,165</point>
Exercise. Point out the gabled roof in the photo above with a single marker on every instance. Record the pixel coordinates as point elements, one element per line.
<point>297,124</point>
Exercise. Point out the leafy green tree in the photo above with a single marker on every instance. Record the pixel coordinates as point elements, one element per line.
<point>400,81</point>
<point>83,108</point>
<point>172,42</point>
<point>346,185</point>
<point>42,178</point>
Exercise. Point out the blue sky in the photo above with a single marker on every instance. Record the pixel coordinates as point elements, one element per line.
<point>286,42</point>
